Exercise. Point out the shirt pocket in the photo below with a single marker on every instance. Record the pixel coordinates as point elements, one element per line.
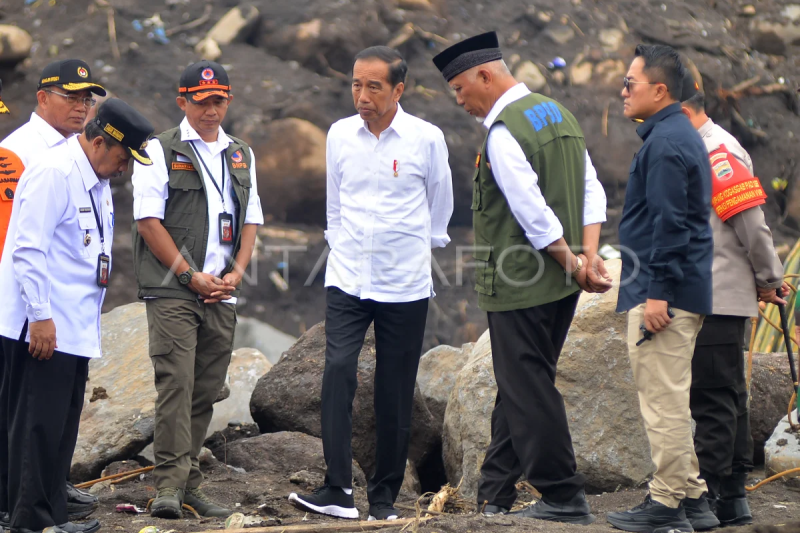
<point>86,223</point>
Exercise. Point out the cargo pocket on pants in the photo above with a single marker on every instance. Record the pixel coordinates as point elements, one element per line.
<point>164,379</point>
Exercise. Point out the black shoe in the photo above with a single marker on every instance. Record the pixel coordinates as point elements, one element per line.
<point>574,511</point>
<point>734,512</point>
<point>89,527</point>
<point>79,504</point>
<point>492,510</point>
<point>651,517</point>
<point>51,529</point>
<point>327,500</point>
<point>5,520</point>
<point>382,512</point>
<point>699,514</point>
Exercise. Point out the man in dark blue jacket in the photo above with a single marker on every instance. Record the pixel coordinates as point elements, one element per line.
<point>665,285</point>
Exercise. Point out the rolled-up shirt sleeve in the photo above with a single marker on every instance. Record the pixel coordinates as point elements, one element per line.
<point>254,213</point>
<point>151,185</point>
<point>594,197</point>
<point>334,180</point>
<point>42,204</point>
<point>520,185</point>
<point>440,192</point>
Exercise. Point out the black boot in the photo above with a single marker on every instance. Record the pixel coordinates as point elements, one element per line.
<point>699,514</point>
<point>574,511</point>
<point>651,517</point>
<point>732,508</point>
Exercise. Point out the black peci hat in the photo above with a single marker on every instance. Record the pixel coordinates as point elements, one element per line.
<point>203,79</point>
<point>126,125</point>
<point>468,53</point>
<point>70,75</point>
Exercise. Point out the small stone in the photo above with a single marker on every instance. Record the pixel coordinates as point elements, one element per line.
<point>560,35</point>
<point>611,39</point>
<point>559,77</point>
<point>581,74</point>
<point>782,442</point>
<point>748,11</point>
<point>208,49</point>
<point>529,74</point>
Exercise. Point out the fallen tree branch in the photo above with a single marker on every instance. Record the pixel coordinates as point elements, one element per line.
<point>409,508</point>
<point>739,87</point>
<point>191,25</point>
<point>330,70</point>
<point>373,525</point>
<point>114,476</point>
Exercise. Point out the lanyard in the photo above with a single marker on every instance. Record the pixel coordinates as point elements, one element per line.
<point>99,224</point>
<point>211,176</point>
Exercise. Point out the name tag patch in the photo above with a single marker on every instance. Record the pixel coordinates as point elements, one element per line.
<point>177,165</point>
<point>85,209</point>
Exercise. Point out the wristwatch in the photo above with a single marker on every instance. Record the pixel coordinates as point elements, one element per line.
<point>186,277</point>
<point>579,267</point>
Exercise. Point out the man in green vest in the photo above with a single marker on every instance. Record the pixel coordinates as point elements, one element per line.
<point>537,210</point>
<point>196,210</point>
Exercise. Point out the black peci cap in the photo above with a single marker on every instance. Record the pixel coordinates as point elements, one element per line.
<point>203,79</point>
<point>126,125</point>
<point>689,86</point>
<point>468,53</point>
<point>70,75</point>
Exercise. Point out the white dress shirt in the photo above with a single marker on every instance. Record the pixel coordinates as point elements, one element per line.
<point>32,139</point>
<point>389,202</point>
<point>50,272</point>
<point>520,184</point>
<point>151,190</point>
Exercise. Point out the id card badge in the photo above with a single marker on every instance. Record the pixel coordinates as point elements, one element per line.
<point>225,228</point>
<point>103,270</point>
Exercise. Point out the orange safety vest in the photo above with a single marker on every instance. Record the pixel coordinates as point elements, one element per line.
<point>733,188</point>
<point>11,169</point>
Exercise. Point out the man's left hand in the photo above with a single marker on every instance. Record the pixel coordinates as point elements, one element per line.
<point>232,279</point>
<point>770,296</point>
<point>656,315</point>
<point>597,277</point>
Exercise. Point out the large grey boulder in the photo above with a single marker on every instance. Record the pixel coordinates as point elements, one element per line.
<point>15,45</point>
<point>246,368</point>
<point>288,398</point>
<point>595,378</point>
<point>269,340</point>
<point>436,377</point>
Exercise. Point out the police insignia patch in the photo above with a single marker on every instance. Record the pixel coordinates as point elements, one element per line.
<point>237,156</point>
<point>723,170</point>
<point>82,72</point>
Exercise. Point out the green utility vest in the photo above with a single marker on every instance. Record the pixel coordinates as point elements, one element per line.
<point>186,216</point>
<point>510,273</point>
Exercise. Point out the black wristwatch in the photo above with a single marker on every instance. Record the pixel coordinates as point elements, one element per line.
<point>186,277</point>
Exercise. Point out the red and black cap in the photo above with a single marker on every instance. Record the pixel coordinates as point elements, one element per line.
<point>70,75</point>
<point>126,125</point>
<point>204,79</point>
<point>469,53</point>
<point>3,109</point>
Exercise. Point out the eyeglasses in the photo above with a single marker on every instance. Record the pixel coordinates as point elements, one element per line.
<point>627,82</point>
<point>73,99</point>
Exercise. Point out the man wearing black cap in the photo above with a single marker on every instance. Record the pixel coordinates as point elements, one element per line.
<point>54,276</point>
<point>64,96</point>
<point>534,185</point>
<point>745,269</point>
<point>196,211</point>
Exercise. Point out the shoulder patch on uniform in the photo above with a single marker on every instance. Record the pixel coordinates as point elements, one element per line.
<point>177,165</point>
<point>238,159</point>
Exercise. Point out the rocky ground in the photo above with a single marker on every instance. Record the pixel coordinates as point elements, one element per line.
<point>262,496</point>
<point>289,61</point>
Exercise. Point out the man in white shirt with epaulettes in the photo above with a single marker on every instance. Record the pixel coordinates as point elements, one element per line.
<point>390,199</point>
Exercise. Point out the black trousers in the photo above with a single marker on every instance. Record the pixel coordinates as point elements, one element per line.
<point>42,404</point>
<point>722,439</point>
<point>399,330</point>
<point>530,434</point>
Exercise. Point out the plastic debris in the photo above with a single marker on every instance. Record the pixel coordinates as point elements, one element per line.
<point>129,508</point>
<point>137,25</point>
<point>557,62</point>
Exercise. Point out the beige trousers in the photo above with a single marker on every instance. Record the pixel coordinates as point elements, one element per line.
<point>662,370</point>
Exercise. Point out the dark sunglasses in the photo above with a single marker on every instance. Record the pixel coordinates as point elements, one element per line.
<point>627,82</point>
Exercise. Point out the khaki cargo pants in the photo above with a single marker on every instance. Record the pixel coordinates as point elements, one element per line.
<point>662,370</point>
<point>190,348</point>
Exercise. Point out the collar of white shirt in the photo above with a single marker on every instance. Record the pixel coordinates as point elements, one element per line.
<point>705,129</point>
<point>518,91</point>
<point>84,166</point>
<point>48,132</point>
<point>189,134</point>
<point>400,124</point>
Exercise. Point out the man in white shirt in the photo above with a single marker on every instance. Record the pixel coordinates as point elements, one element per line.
<point>196,212</point>
<point>65,93</point>
<point>390,199</point>
<point>54,275</point>
<point>536,204</point>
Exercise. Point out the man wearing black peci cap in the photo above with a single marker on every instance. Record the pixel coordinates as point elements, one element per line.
<point>54,275</point>
<point>196,210</point>
<point>538,207</point>
<point>64,95</point>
